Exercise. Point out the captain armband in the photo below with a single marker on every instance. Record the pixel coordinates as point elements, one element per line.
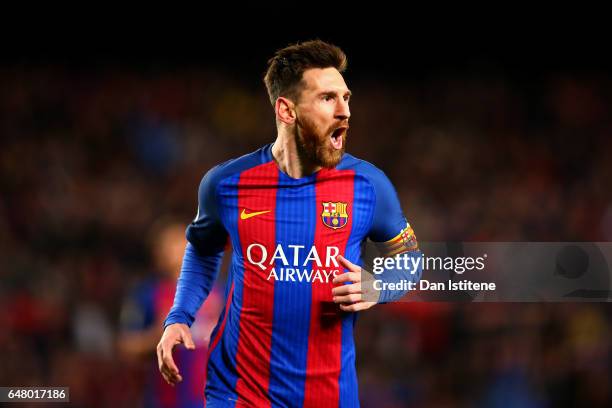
<point>405,241</point>
<point>399,266</point>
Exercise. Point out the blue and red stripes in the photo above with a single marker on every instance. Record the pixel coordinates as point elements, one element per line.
<point>363,203</point>
<point>294,226</point>
<point>280,342</point>
<point>256,193</point>
<point>324,354</point>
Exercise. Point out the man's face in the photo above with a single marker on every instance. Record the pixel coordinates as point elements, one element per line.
<point>322,115</point>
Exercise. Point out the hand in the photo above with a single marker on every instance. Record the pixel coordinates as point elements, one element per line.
<point>174,334</point>
<point>350,297</point>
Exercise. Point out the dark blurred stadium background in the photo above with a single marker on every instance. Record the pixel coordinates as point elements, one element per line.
<point>486,139</point>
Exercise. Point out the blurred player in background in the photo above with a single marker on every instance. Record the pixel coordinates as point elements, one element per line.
<point>143,314</point>
<point>296,213</point>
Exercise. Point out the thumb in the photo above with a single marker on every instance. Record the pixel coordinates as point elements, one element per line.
<point>187,340</point>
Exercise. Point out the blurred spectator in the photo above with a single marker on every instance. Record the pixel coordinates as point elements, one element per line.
<point>142,319</point>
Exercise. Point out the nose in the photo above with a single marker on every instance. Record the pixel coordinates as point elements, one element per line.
<point>342,110</point>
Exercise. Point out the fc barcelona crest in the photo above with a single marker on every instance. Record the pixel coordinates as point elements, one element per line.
<point>408,238</point>
<point>334,214</point>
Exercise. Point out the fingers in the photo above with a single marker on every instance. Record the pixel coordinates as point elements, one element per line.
<point>167,367</point>
<point>173,335</point>
<point>348,264</point>
<point>347,277</point>
<point>349,297</point>
<point>355,297</point>
<point>347,293</point>
<point>187,340</point>
<point>160,356</point>
<point>171,378</point>
<point>347,289</point>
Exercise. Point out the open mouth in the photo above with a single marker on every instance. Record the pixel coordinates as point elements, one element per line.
<point>337,137</point>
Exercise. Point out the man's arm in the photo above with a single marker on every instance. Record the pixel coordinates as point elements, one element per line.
<point>198,275</point>
<point>206,238</point>
<point>393,236</point>
<point>407,265</point>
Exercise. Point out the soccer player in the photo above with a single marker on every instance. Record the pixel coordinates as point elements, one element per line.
<point>296,213</point>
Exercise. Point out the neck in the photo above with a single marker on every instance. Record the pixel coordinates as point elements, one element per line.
<point>288,156</point>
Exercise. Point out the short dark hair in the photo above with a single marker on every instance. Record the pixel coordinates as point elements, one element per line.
<point>285,69</point>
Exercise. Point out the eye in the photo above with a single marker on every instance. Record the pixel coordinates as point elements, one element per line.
<point>328,98</point>
<point>347,98</point>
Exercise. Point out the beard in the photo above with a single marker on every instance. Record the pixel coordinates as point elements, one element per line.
<point>315,145</point>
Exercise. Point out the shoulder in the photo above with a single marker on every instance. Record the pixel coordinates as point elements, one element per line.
<point>375,176</point>
<point>237,165</point>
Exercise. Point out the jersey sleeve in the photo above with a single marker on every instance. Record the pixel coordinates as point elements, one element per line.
<point>206,238</point>
<point>393,235</point>
<point>390,230</point>
<point>198,274</point>
<point>206,232</point>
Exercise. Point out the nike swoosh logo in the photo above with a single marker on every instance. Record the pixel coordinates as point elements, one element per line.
<point>245,216</point>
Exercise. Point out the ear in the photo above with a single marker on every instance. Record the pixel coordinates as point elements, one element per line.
<point>285,110</point>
